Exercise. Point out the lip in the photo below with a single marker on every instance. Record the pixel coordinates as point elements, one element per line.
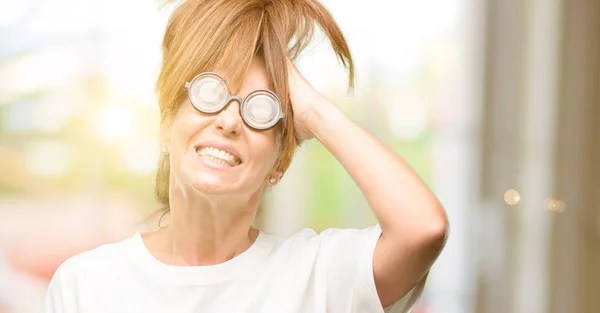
<point>221,146</point>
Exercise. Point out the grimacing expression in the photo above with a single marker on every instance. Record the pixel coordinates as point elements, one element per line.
<point>218,153</point>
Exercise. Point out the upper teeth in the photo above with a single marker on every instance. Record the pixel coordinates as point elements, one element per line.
<point>219,154</point>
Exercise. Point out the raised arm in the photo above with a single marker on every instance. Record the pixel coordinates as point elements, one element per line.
<point>413,222</point>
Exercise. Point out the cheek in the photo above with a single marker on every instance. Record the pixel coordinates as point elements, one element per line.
<point>266,150</point>
<point>182,134</point>
<point>187,126</point>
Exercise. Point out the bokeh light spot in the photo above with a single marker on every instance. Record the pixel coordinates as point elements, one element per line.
<point>512,197</point>
<point>555,205</point>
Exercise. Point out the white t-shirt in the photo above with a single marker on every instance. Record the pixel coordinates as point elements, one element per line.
<point>306,272</point>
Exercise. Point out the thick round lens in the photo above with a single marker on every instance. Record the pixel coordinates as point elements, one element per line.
<point>261,110</point>
<point>209,93</point>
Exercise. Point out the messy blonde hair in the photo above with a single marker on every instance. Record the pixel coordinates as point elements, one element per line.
<point>203,35</point>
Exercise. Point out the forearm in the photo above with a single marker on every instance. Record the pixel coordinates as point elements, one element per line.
<point>399,199</point>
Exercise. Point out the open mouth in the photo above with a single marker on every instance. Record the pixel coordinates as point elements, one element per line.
<point>218,156</point>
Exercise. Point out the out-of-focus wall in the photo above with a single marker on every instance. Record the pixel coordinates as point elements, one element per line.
<point>575,271</point>
<point>538,247</point>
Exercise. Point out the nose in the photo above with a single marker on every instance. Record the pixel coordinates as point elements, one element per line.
<point>229,121</point>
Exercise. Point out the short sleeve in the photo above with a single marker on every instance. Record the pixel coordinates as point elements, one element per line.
<point>346,255</point>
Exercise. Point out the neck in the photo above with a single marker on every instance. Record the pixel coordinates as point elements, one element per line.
<point>206,230</point>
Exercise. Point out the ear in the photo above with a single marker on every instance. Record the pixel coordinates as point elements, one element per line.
<point>275,173</point>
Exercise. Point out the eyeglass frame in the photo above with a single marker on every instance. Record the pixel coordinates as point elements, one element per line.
<point>231,97</point>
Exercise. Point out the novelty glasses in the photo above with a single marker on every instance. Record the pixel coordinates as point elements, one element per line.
<point>209,93</point>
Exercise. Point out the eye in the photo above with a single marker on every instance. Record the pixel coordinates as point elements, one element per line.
<point>209,92</point>
<point>261,108</point>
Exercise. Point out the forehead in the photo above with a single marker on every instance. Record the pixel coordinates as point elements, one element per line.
<point>255,78</point>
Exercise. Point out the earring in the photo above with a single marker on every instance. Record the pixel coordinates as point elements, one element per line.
<point>272,180</point>
<point>165,150</point>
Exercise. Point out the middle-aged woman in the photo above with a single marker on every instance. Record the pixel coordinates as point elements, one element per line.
<point>234,107</point>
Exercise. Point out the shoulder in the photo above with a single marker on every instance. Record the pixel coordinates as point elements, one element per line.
<point>94,261</point>
<point>87,270</point>
<point>330,234</point>
<point>335,239</point>
<point>288,244</point>
<point>327,243</point>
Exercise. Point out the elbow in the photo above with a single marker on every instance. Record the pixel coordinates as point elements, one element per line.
<point>436,231</point>
<point>433,228</point>
<point>427,226</point>
<point>426,237</point>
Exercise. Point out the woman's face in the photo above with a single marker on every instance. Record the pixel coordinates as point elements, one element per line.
<point>218,153</point>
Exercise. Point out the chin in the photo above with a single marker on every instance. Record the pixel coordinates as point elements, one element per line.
<point>209,184</point>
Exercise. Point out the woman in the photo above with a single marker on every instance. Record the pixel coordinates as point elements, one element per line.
<point>234,108</point>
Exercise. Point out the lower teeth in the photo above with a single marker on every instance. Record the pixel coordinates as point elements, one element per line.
<point>216,160</point>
